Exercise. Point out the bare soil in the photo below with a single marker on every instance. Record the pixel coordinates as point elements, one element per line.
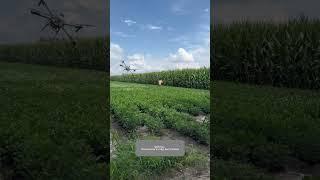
<point>189,173</point>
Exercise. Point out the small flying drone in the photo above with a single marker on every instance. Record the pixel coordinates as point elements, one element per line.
<point>127,68</point>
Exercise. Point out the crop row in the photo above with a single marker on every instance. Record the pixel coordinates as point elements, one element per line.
<point>89,53</point>
<point>189,78</point>
<point>53,124</point>
<point>265,126</point>
<point>126,165</point>
<point>156,117</point>
<point>278,54</point>
<point>141,106</point>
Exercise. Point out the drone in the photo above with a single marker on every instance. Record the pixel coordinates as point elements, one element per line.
<point>56,21</point>
<point>127,68</point>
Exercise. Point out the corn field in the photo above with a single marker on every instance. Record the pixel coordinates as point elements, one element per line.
<point>90,53</point>
<point>285,55</point>
<point>188,78</point>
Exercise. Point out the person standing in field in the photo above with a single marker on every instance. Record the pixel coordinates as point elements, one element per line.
<point>160,82</point>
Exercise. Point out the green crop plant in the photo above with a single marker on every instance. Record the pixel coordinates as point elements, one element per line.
<point>188,78</point>
<point>89,53</point>
<point>135,105</point>
<point>278,54</point>
<point>126,165</point>
<point>53,124</point>
<point>265,126</point>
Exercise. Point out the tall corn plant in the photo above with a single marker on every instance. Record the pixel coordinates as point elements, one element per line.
<point>188,78</point>
<point>89,53</point>
<point>285,54</point>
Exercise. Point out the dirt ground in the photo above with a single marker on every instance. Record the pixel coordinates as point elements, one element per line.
<point>196,173</point>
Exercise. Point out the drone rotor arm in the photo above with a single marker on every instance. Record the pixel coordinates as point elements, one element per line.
<point>45,26</point>
<point>78,26</point>
<point>38,13</point>
<point>68,35</point>
<point>85,25</point>
<point>56,34</point>
<point>72,25</point>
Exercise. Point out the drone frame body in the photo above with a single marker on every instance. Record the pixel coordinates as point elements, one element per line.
<point>126,67</point>
<point>56,22</point>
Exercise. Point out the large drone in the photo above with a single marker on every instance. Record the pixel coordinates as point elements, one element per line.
<point>56,21</point>
<point>127,68</point>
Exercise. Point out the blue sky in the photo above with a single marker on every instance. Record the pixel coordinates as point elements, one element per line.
<point>154,35</point>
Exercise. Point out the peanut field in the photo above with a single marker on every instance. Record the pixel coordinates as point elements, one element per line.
<point>145,111</point>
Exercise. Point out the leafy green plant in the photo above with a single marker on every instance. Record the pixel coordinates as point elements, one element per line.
<point>135,105</point>
<point>53,124</point>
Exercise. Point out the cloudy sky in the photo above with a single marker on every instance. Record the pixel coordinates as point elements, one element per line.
<point>226,11</point>
<point>153,35</point>
<point>18,25</point>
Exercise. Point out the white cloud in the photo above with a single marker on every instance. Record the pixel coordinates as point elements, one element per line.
<point>129,22</point>
<point>198,53</point>
<point>116,56</point>
<point>139,61</point>
<point>116,52</point>
<point>206,10</point>
<point>194,58</point>
<point>181,56</point>
<point>136,60</point>
<point>193,65</point>
<point>202,55</point>
<point>152,27</point>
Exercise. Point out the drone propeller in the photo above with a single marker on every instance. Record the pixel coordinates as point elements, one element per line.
<point>42,2</point>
